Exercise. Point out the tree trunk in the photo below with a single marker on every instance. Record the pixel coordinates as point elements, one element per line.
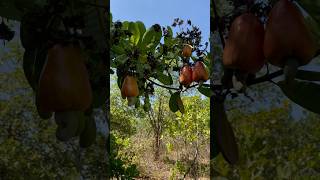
<point>157,144</point>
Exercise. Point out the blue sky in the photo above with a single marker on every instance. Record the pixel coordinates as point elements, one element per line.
<point>163,12</point>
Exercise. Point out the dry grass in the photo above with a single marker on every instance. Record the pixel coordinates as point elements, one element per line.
<point>163,168</point>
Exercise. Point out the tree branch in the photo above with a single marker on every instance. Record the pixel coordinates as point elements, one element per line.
<point>190,87</point>
<point>173,88</point>
<point>264,78</point>
<point>159,113</point>
<point>152,120</point>
<point>163,86</point>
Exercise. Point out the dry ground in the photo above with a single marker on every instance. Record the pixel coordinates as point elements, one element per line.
<point>163,168</point>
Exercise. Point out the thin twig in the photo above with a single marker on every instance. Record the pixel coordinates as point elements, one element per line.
<point>265,78</point>
<point>190,87</point>
<point>273,82</point>
<point>167,87</point>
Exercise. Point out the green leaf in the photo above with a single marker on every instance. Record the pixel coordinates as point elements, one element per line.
<point>119,81</point>
<point>121,59</point>
<point>164,79</point>
<point>180,105</point>
<point>147,38</point>
<point>214,149</point>
<point>134,29</point>
<point>143,59</point>
<point>171,55</point>
<point>308,75</point>
<point>170,34</point>
<point>125,25</point>
<point>157,38</point>
<point>309,17</point>
<point>150,39</point>
<point>312,7</point>
<point>33,62</point>
<point>173,102</point>
<point>224,133</point>
<point>137,105</point>
<point>205,91</point>
<point>305,94</point>
<point>147,104</point>
<point>142,29</point>
<point>140,70</point>
<point>314,28</point>
<point>168,38</point>
<point>117,49</point>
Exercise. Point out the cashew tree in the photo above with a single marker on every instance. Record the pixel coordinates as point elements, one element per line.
<point>250,46</point>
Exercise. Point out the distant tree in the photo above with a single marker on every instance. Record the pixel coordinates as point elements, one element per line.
<point>273,145</point>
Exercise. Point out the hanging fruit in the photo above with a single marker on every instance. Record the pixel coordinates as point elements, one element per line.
<point>200,72</point>
<point>129,87</point>
<point>187,50</point>
<point>185,77</point>
<point>64,83</point>
<point>244,47</point>
<point>287,35</point>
